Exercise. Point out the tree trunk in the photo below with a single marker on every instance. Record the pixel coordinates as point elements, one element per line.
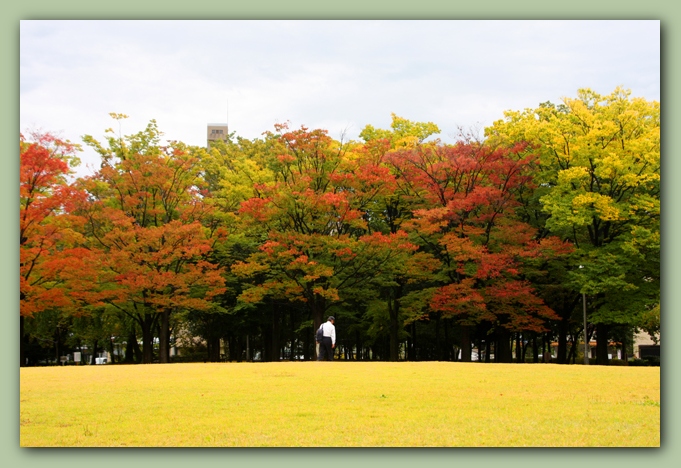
<point>112,348</point>
<point>438,346</point>
<point>56,346</point>
<point>562,341</point>
<point>317,309</point>
<point>535,348</point>
<point>94,352</point>
<point>625,356</point>
<point>393,309</point>
<point>465,344</point>
<point>307,339</point>
<point>502,351</point>
<point>448,346</point>
<point>147,323</point>
<point>602,344</point>
<point>230,348</point>
<point>129,346</point>
<point>22,342</point>
<point>213,349</point>
<point>236,349</point>
<point>276,333</point>
<point>266,333</point>
<point>547,345</point>
<point>292,334</point>
<point>164,338</point>
<point>572,355</point>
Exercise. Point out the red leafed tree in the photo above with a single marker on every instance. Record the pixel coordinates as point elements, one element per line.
<point>147,217</point>
<point>467,196</point>
<point>53,264</point>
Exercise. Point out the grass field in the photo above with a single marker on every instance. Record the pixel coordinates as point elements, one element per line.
<point>346,404</point>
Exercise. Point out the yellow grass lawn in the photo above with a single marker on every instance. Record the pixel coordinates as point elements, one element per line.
<point>347,404</point>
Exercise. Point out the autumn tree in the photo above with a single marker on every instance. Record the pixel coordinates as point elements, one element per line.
<point>232,170</point>
<point>488,240</point>
<point>147,217</point>
<point>319,246</point>
<point>403,133</point>
<point>54,266</point>
<point>466,196</point>
<point>390,210</point>
<point>599,157</point>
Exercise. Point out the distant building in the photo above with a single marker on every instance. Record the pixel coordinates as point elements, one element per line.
<point>217,131</point>
<point>645,347</point>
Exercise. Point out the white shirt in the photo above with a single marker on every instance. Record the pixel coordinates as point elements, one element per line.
<point>329,330</point>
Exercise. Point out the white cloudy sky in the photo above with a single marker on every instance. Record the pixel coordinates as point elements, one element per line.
<point>336,75</point>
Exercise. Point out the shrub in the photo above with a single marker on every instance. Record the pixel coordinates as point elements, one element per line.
<point>647,361</point>
<point>652,360</point>
<point>618,362</point>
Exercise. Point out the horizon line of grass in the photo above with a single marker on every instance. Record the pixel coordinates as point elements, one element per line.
<point>321,404</point>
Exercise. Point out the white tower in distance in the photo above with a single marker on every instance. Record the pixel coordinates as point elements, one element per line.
<point>217,131</point>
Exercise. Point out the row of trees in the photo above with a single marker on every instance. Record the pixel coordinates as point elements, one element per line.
<point>422,250</point>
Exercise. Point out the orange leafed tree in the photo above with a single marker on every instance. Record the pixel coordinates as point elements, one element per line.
<point>54,266</point>
<point>147,218</point>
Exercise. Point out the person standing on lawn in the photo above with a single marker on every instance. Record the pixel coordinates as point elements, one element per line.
<point>328,342</point>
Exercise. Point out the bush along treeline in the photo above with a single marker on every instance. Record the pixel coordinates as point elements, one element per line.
<point>485,249</point>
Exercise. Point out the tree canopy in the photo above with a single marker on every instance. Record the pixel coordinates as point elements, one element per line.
<point>421,249</point>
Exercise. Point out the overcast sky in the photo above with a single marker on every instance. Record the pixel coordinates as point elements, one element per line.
<point>336,75</point>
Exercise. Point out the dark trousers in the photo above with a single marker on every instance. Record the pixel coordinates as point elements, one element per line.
<point>325,350</point>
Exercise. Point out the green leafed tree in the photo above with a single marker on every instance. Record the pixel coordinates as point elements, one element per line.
<point>600,172</point>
